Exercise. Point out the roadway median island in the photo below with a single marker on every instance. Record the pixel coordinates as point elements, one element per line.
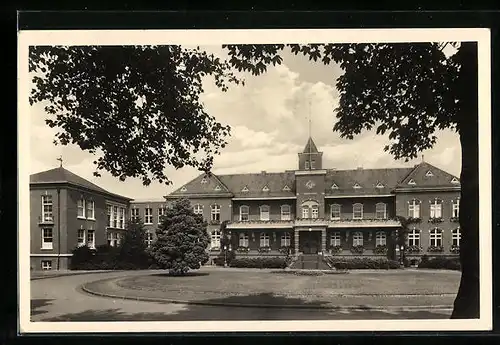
<point>369,291</point>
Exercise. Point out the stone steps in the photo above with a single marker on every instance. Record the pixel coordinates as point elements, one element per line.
<point>310,262</point>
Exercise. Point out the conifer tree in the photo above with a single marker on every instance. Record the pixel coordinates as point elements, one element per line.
<point>133,249</point>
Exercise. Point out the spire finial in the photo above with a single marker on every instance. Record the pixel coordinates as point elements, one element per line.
<point>60,161</point>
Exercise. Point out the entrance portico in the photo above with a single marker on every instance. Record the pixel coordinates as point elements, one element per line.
<point>310,240</point>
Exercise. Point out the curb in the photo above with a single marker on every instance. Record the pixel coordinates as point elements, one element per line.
<point>85,288</point>
<point>72,274</point>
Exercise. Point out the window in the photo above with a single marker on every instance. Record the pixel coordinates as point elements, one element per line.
<point>335,239</point>
<point>264,240</point>
<point>47,208</point>
<point>285,239</point>
<point>455,207</point>
<point>243,240</point>
<point>135,213</point>
<point>244,213</point>
<point>198,209</point>
<point>264,212</point>
<point>357,211</point>
<point>305,212</point>
<point>183,189</point>
<point>80,237</point>
<point>90,209</point>
<point>215,212</point>
<point>357,239</point>
<point>286,188</point>
<point>314,211</point>
<point>285,212</point>
<point>149,239</point>
<point>313,164</point>
<point>335,212</point>
<point>306,165</point>
<point>115,216</point>
<point>455,180</point>
<point>380,238</point>
<point>91,239</point>
<point>46,265</point>
<point>47,239</point>
<point>110,210</point>
<point>122,218</point>
<point>356,186</point>
<point>113,239</point>
<point>456,236</point>
<point>436,237</point>
<point>412,182</point>
<point>217,188</point>
<point>161,212</point>
<point>414,238</point>
<point>414,208</point>
<point>215,239</point>
<point>245,189</point>
<point>429,173</point>
<point>380,185</point>
<point>265,189</point>
<point>436,208</point>
<point>381,211</point>
<point>204,180</point>
<point>334,186</point>
<point>81,208</point>
<point>148,215</point>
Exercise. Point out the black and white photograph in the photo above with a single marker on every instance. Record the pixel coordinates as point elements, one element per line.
<point>254,180</point>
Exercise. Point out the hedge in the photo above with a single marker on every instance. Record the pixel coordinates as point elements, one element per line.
<point>440,263</point>
<point>103,258</point>
<point>362,263</point>
<point>258,262</point>
<point>219,260</point>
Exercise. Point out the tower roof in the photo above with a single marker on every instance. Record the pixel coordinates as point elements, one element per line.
<point>310,147</point>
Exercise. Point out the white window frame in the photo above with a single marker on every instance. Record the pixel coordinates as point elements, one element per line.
<point>380,238</point>
<point>414,237</point>
<point>148,215</point>
<point>109,210</point>
<point>264,240</point>
<point>121,221</point>
<point>80,207</point>
<point>335,239</point>
<point>47,208</point>
<point>265,212</point>
<point>161,212</point>
<point>314,211</point>
<point>334,210</point>
<point>305,212</point>
<point>134,213</point>
<point>414,208</point>
<point>357,238</point>
<point>215,212</point>
<point>46,244</point>
<point>114,218</point>
<point>215,236</point>
<point>198,209</point>
<point>46,265</point>
<point>312,164</point>
<point>359,211</point>
<point>243,240</point>
<point>286,239</point>
<point>456,237</point>
<point>455,207</point>
<point>91,239</point>
<point>306,165</point>
<point>436,208</point>
<point>149,239</point>
<point>378,210</point>
<point>80,240</point>
<point>244,213</point>
<point>113,238</point>
<point>436,237</point>
<point>90,211</point>
<point>286,212</point>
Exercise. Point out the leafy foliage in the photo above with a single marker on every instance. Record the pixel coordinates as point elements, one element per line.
<point>259,262</point>
<point>182,239</point>
<point>137,106</point>
<point>133,250</point>
<point>361,263</point>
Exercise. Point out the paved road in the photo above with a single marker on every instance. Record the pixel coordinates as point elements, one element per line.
<point>60,299</point>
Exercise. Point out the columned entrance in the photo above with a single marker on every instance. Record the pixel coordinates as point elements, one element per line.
<point>310,241</point>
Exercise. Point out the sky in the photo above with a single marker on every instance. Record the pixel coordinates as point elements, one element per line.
<point>269,125</point>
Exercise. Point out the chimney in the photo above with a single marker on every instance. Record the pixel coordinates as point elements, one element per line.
<point>263,172</point>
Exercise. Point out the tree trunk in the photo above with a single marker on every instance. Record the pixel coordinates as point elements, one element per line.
<point>467,301</point>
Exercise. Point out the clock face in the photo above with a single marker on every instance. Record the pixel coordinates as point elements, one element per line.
<point>310,184</point>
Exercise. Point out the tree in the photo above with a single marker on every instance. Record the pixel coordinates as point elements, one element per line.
<point>182,239</point>
<point>408,90</point>
<point>402,235</point>
<point>132,252</point>
<point>137,107</point>
<point>225,255</point>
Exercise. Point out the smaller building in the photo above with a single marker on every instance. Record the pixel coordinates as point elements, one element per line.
<point>67,211</point>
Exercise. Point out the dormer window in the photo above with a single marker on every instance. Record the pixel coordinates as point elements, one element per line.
<point>429,173</point>
<point>380,185</point>
<point>313,165</point>
<point>286,188</point>
<point>455,180</point>
<point>412,182</point>
<point>265,189</point>
<point>217,188</point>
<point>356,186</point>
<point>334,186</point>
<point>245,189</point>
<point>183,189</point>
<point>203,181</point>
<point>306,165</point>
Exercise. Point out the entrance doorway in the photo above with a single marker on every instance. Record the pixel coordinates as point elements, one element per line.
<point>310,242</point>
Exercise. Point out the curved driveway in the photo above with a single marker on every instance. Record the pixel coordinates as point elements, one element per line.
<point>61,299</point>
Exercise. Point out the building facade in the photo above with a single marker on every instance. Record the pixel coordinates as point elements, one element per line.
<point>67,211</point>
<point>313,210</point>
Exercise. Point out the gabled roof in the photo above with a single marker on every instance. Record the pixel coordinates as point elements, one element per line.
<point>209,187</point>
<point>310,147</point>
<point>368,179</point>
<point>61,175</point>
<point>256,182</point>
<point>439,178</point>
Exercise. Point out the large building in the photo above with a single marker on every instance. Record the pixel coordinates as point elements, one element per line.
<point>311,210</point>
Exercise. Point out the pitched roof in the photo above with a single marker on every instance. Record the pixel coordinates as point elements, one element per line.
<point>203,184</point>
<point>437,178</point>
<point>368,179</point>
<point>255,183</point>
<point>62,175</point>
<point>310,147</point>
